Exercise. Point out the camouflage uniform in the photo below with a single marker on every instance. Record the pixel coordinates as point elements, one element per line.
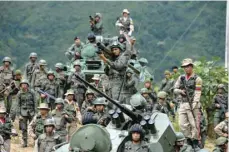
<point>221,145</point>
<point>30,68</point>
<point>26,109</point>
<point>73,49</point>
<point>203,130</point>
<point>150,104</point>
<point>97,28</point>
<point>162,105</point>
<point>87,103</point>
<point>61,77</point>
<point>46,142</point>
<point>167,84</point>
<point>222,128</point>
<point>189,125</point>
<point>77,86</point>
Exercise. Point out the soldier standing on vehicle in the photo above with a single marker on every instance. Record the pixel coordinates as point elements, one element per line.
<point>125,23</point>
<point>61,118</point>
<point>26,109</point>
<point>221,145</point>
<point>222,128</point>
<point>87,104</point>
<point>189,86</point>
<point>61,77</point>
<point>75,48</point>
<point>137,143</point>
<point>76,85</point>
<point>116,69</point>
<point>6,128</point>
<point>96,24</point>
<point>31,67</point>
<point>220,104</point>
<point>6,79</point>
<point>49,138</point>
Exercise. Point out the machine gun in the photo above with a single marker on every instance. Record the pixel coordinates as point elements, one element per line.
<point>135,117</point>
<point>45,93</point>
<point>103,49</point>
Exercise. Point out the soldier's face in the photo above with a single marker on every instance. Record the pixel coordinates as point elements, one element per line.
<point>24,86</point>
<point>145,95</point>
<point>59,106</point>
<point>77,68</point>
<point>42,66</point>
<point>161,100</point>
<point>128,74</point>
<point>179,143</point>
<point>96,81</point>
<point>70,97</point>
<point>77,42</point>
<point>18,77</point>
<point>90,96</point>
<point>188,69</point>
<point>175,70</point>
<point>220,91</point>
<point>33,59</point>
<point>167,76</point>
<point>136,136</point>
<point>49,129</point>
<point>6,63</point>
<point>125,14</point>
<point>44,111</point>
<point>51,77</point>
<point>147,85</point>
<point>97,19</point>
<point>121,40</point>
<point>116,51</point>
<point>99,108</point>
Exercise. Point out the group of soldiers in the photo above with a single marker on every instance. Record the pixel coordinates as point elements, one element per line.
<point>52,105</point>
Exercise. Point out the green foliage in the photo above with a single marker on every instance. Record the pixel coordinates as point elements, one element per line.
<point>48,28</point>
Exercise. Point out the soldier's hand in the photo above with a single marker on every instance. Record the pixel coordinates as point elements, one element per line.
<point>217,105</point>
<point>43,96</point>
<point>225,135</point>
<point>183,92</point>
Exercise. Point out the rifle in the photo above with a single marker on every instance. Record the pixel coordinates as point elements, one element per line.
<point>103,49</point>
<point>45,93</point>
<point>92,20</point>
<point>11,84</point>
<point>136,71</point>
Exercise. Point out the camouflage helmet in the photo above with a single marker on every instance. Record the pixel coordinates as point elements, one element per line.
<point>49,122</point>
<point>162,94</point>
<point>186,62</point>
<point>167,72</point>
<point>59,101</point>
<point>221,86</point>
<point>76,63</point>
<point>42,62</point>
<point>99,101</point>
<point>144,90</point>
<point>221,141</point>
<point>33,55</point>
<point>116,45</point>
<point>69,92</point>
<point>89,118</point>
<point>89,91</point>
<point>17,72</point>
<point>24,81</point>
<point>59,65</point>
<point>143,60</point>
<point>98,15</point>
<point>43,106</point>
<point>7,59</point>
<point>137,100</point>
<point>2,109</point>
<point>180,136</point>
<point>50,72</point>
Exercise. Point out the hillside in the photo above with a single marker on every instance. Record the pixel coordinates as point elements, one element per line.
<point>184,29</point>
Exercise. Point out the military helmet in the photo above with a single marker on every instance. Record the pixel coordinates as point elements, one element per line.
<point>180,136</point>
<point>221,86</point>
<point>50,72</point>
<point>91,36</point>
<point>89,118</point>
<point>137,100</point>
<point>2,109</point>
<point>129,71</point>
<point>125,11</point>
<point>69,92</point>
<point>24,81</point>
<point>89,91</point>
<point>49,122</point>
<point>7,59</point>
<point>167,72</point>
<point>186,62</point>
<point>143,60</point>
<point>17,72</point>
<point>116,45</point>
<point>98,15</point>
<point>42,62</point>
<point>99,101</point>
<point>162,94</point>
<point>44,106</point>
<point>59,65</point>
<point>59,101</point>
<point>33,55</point>
<point>76,63</point>
<point>144,90</point>
<point>137,128</point>
<point>221,141</point>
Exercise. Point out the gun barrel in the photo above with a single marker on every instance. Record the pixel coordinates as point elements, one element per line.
<point>128,112</point>
<point>134,69</point>
<point>48,95</point>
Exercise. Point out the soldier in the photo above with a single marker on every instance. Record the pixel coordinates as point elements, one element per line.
<point>6,79</point>
<point>97,24</point>
<point>116,69</point>
<point>36,126</point>
<point>188,86</point>
<point>152,94</point>
<point>100,112</point>
<point>31,67</point>
<point>26,108</point>
<point>98,84</point>
<point>76,47</point>
<point>89,50</point>
<point>76,85</point>
<point>125,23</point>
<point>134,51</point>
<point>220,104</point>
<point>222,128</point>
<point>49,138</point>
<point>175,73</point>
<point>61,77</point>
<point>138,103</point>
<point>167,83</point>
<point>150,104</point>
<point>61,118</point>
<point>180,145</point>
<point>39,76</point>
<point>87,104</point>
<point>122,41</point>
<point>221,145</point>
<point>144,73</point>
<point>129,87</point>
<point>72,108</point>
<point>6,128</point>
<point>52,87</point>
<point>162,105</point>
<point>136,142</point>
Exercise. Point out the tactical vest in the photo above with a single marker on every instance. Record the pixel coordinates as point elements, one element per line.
<point>30,68</point>
<point>45,144</point>
<point>40,75</point>
<point>126,24</point>
<point>190,85</point>
<point>50,87</point>
<point>39,129</point>
<point>27,103</point>
<point>59,120</point>
<point>75,83</point>
<point>61,79</point>
<point>6,76</point>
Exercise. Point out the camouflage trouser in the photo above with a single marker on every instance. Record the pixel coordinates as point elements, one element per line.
<point>115,88</point>
<point>23,125</point>
<point>63,134</point>
<point>13,106</point>
<point>189,126</point>
<point>7,145</point>
<point>79,98</point>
